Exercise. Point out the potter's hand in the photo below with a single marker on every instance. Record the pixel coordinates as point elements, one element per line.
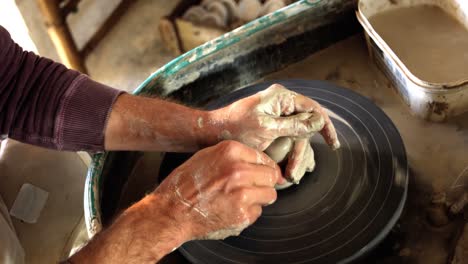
<point>277,112</point>
<point>216,193</point>
<point>221,190</point>
<point>300,160</point>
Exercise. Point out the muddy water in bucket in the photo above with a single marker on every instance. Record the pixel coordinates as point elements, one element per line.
<point>429,41</point>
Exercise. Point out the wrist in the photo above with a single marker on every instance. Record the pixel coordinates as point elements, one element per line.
<point>210,127</point>
<point>159,215</point>
<point>144,233</point>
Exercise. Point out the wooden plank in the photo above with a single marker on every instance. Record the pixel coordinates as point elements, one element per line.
<point>169,36</point>
<point>60,35</point>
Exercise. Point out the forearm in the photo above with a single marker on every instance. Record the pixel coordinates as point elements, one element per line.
<point>44,103</point>
<point>139,123</point>
<point>144,233</point>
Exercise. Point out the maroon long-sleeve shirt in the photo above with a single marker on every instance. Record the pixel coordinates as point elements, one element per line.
<point>44,103</point>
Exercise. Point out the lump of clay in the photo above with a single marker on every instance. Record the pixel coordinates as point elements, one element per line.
<point>278,151</point>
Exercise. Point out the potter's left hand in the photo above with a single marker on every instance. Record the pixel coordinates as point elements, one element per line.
<point>275,112</point>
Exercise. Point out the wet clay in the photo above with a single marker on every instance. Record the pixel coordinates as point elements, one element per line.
<point>278,151</point>
<point>225,233</point>
<point>430,42</point>
<point>281,148</point>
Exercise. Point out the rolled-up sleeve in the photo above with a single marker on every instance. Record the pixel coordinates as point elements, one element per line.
<point>45,104</point>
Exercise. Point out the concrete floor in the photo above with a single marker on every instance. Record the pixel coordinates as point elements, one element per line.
<point>128,54</point>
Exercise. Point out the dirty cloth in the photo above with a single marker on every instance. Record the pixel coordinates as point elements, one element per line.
<point>43,103</point>
<point>10,247</point>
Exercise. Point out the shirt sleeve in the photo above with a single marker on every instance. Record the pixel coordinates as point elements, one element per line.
<point>43,103</point>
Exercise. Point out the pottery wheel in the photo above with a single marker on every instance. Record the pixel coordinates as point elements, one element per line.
<point>341,210</point>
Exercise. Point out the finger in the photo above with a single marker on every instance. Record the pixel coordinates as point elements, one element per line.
<point>267,176</point>
<point>305,104</point>
<point>299,125</point>
<point>252,155</point>
<point>264,159</point>
<point>310,165</point>
<point>299,160</point>
<point>277,100</point>
<point>259,195</point>
<point>291,102</point>
<point>258,175</point>
<point>329,134</point>
<point>295,159</point>
<point>255,212</point>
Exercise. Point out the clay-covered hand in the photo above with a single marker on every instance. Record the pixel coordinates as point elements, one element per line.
<point>278,112</point>
<point>220,190</point>
<point>275,112</point>
<point>300,160</point>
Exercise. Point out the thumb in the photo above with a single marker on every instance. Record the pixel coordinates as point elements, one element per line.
<point>299,125</point>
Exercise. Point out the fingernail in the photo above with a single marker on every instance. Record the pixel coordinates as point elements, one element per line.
<point>279,178</point>
<point>336,145</point>
<point>282,180</point>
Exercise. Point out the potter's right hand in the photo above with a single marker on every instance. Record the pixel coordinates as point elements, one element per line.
<point>221,190</point>
<point>276,112</point>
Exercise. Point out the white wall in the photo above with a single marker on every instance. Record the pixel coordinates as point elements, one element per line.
<point>11,19</point>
